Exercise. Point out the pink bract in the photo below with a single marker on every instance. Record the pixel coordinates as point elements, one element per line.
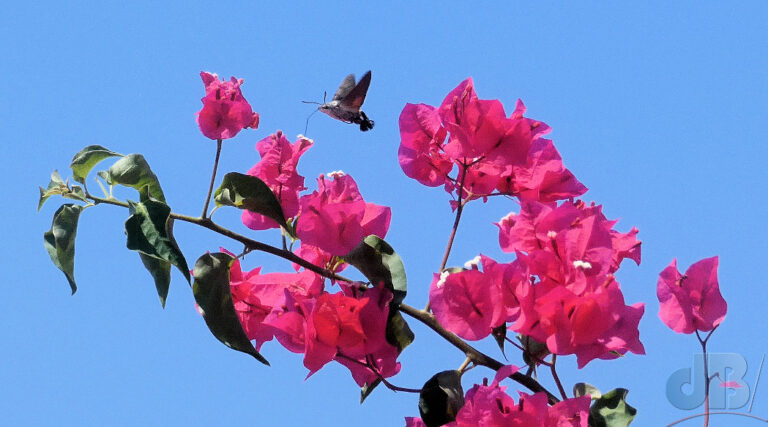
<point>335,218</point>
<point>277,168</point>
<point>225,111</point>
<point>692,301</point>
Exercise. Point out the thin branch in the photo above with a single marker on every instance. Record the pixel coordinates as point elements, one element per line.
<point>478,358</point>
<point>459,209</point>
<point>372,368</point>
<point>213,178</point>
<point>707,379</point>
<point>249,243</point>
<point>556,378</point>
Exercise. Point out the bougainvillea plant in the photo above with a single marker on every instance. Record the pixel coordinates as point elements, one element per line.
<point>557,297</point>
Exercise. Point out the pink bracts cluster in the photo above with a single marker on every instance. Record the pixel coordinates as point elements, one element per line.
<point>561,289</point>
<point>491,153</point>
<point>334,219</point>
<point>225,111</point>
<point>490,406</point>
<point>347,326</point>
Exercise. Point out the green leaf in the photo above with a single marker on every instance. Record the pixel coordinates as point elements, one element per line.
<point>380,263</point>
<point>150,232</point>
<point>87,158</point>
<point>250,193</point>
<point>441,398</point>
<point>60,240</point>
<point>59,187</point>
<point>398,332</point>
<point>161,274</point>
<point>583,389</point>
<point>133,171</point>
<point>55,187</point>
<point>612,410</point>
<point>214,299</point>
<point>500,335</point>
<point>366,389</point>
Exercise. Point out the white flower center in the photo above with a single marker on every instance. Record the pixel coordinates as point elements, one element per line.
<point>473,263</point>
<point>443,276</point>
<point>582,264</point>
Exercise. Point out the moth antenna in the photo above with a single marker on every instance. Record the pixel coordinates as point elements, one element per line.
<point>311,102</point>
<point>324,95</point>
<point>306,125</point>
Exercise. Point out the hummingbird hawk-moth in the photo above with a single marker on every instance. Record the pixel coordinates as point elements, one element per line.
<point>348,99</point>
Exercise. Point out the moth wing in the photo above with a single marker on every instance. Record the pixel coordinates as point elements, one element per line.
<point>354,99</point>
<point>345,87</point>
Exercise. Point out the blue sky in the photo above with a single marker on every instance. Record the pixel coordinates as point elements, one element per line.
<point>659,108</point>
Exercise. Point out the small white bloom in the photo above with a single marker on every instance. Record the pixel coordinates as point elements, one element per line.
<point>335,174</point>
<point>551,234</point>
<point>305,138</point>
<point>508,217</point>
<point>443,276</point>
<point>582,264</point>
<point>473,263</point>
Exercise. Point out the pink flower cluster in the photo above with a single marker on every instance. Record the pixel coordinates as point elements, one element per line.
<point>334,219</point>
<point>225,111</point>
<point>492,153</point>
<point>561,288</point>
<point>347,326</point>
<point>490,406</point>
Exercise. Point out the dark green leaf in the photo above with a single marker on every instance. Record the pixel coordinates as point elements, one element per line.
<point>380,263</point>
<point>60,240</point>
<point>500,335</point>
<point>214,299</point>
<point>441,398</point>
<point>583,389</point>
<point>612,410</point>
<point>150,232</point>
<point>366,390</point>
<point>87,158</point>
<point>250,193</point>
<point>161,274</point>
<point>399,334</point>
<point>133,171</point>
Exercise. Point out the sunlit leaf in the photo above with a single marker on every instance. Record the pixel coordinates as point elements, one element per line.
<point>133,171</point>
<point>380,263</point>
<point>55,186</point>
<point>583,389</point>
<point>214,300</point>
<point>612,410</point>
<point>249,193</point>
<point>60,240</point>
<point>87,158</point>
